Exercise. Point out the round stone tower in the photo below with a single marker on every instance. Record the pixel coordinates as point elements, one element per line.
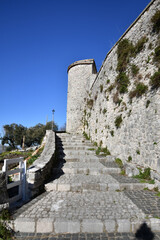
<point>81,75</point>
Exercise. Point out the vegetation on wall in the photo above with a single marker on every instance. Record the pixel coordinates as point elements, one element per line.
<point>90,103</point>
<point>157,54</point>
<point>156,21</point>
<point>155,80</point>
<point>118,121</point>
<point>134,69</point>
<point>122,81</point>
<point>124,52</point>
<point>140,89</point>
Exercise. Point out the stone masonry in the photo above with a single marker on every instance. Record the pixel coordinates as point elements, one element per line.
<point>137,136</point>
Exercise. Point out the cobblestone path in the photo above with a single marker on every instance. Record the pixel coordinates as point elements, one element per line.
<point>88,196</point>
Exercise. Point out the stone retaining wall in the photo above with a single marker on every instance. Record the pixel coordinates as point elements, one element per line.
<point>136,138</point>
<point>41,169</point>
<point>3,191</point>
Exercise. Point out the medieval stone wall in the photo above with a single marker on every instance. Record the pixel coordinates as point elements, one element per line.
<point>122,110</point>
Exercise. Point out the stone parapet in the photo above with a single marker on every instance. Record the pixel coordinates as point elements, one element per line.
<point>41,169</point>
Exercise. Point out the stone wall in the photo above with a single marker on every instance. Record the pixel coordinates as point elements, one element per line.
<point>125,114</point>
<point>42,168</point>
<point>3,191</point>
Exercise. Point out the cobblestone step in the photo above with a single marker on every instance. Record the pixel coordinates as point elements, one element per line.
<point>62,212</point>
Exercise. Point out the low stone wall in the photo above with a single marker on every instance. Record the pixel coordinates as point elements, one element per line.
<point>41,169</point>
<point>3,191</point>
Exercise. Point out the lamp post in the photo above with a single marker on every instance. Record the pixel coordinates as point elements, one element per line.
<point>53,118</point>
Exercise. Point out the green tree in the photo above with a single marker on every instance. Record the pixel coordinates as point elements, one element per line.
<point>13,135</point>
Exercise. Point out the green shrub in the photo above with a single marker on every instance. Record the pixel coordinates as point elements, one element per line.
<point>95,144</point>
<point>140,45</point>
<point>118,121</point>
<point>122,81</point>
<point>129,159</point>
<point>147,103</point>
<point>101,88</point>
<point>144,175</point>
<point>104,110</point>
<point>155,80</point>
<point>138,152</point>
<point>108,81</point>
<point>157,54</point>
<point>111,87</point>
<point>124,51</point>
<point>103,151</point>
<point>86,136</point>
<point>134,69</point>
<point>112,133</point>
<point>156,21</point>
<point>119,162</point>
<point>140,89</point>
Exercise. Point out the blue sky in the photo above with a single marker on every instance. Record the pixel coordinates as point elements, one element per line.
<point>39,39</point>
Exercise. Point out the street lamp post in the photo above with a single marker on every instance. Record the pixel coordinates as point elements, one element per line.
<point>53,118</point>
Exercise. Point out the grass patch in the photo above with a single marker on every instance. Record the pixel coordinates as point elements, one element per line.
<point>157,54</point>
<point>118,121</point>
<point>103,151</point>
<point>140,89</point>
<point>156,21</point>
<point>155,80</point>
<point>124,52</point>
<point>140,45</point>
<point>91,149</point>
<point>144,175</point>
<point>122,81</point>
<point>86,136</point>
<point>104,110</point>
<point>119,162</point>
<point>101,88</point>
<point>129,159</point>
<point>147,103</point>
<point>134,70</point>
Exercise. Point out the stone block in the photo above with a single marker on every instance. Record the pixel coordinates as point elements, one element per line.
<point>66,226</point>
<point>155,224</point>
<point>92,226</point>
<point>113,186</point>
<point>44,225</point>
<point>124,225</point>
<point>24,225</point>
<point>64,187</point>
<point>110,226</point>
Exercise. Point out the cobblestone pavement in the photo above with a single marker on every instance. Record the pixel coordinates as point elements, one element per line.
<point>146,200</point>
<point>89,201</point>
<point>124,179</point>
<point>89,236</point>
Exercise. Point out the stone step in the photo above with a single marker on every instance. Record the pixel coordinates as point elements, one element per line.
<point>83,183</point>
<point>67,212</point>
<point>80,153</point>
<point>90,171</point>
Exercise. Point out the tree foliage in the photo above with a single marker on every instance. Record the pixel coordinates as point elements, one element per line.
<point>15,133</point>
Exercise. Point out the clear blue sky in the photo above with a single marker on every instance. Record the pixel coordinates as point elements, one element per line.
<point>39,39</point>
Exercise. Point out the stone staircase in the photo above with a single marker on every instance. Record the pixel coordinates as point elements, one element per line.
<point>87,195</point>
